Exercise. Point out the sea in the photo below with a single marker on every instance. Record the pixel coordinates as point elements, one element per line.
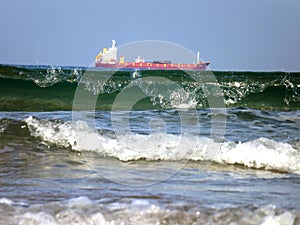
<point>81,145</point>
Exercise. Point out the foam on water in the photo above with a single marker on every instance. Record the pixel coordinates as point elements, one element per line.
<point>260,153</point>
<point>3,125</point>
<point>84,211</point>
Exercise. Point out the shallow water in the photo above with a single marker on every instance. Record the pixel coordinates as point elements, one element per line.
<point>46,177</point>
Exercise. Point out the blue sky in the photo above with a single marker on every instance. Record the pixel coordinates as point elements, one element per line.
<point>231,34</point>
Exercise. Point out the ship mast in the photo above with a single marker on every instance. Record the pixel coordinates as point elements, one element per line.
<point>113,43</point>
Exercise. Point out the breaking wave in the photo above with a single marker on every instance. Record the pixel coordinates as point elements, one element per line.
<point>53,88</point>
<point>261,153</point>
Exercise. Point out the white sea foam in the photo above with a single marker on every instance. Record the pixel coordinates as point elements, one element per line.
<point>75,211</point>
<point>6,201</point>
<point>260,153</point>
<point>3,126</point>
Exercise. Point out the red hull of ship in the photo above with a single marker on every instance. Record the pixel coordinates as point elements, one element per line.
<point>153,66</point>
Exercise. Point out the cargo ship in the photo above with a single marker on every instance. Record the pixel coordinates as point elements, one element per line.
<point>108,59</point>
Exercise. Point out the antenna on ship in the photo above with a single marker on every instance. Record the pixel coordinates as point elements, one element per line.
<point>198,57</point>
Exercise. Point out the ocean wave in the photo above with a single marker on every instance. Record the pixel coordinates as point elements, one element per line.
<point>83,210</point>
<point>54,75</point>
<point>42,75</point>
<point>261,90</point>
<point>261,153</point>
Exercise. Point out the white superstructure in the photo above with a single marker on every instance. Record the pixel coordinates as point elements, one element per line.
<point>108,55</point>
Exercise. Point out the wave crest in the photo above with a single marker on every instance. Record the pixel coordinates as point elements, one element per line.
<point>260,153</point>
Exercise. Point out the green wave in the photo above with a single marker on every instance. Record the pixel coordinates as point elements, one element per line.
<point>47,88</point>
